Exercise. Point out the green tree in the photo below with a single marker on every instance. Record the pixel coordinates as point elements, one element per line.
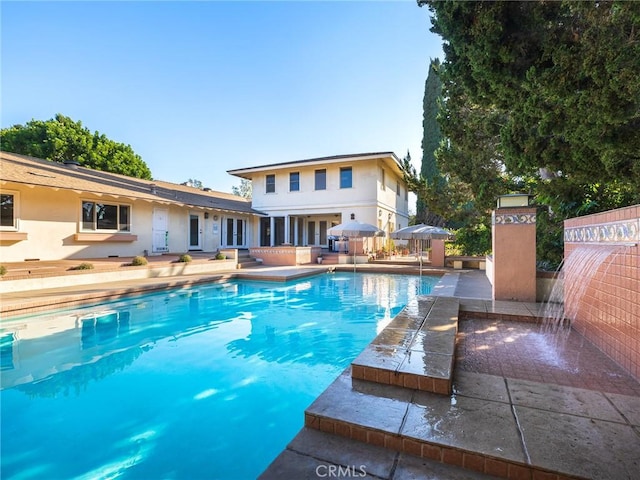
<point>244,190</point>
<point>542,97</point>
<point>192,182</point>
<point>431,139</point>
<point>60,139</point>
<point>560,87</point>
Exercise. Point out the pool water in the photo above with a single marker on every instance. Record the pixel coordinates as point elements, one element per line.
<point>206,382</point>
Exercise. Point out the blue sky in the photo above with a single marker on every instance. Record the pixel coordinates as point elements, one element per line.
<point>198,88</point>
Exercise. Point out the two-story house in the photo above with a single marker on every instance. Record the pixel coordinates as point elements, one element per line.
<point>303,198</point>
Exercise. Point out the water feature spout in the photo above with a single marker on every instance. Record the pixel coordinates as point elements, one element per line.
<point>576,278</point>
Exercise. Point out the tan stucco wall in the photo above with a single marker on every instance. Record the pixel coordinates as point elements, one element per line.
<point>51,219</point>
<point>365,199</point>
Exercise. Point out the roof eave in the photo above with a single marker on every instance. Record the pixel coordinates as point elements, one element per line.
<point>246,172</point>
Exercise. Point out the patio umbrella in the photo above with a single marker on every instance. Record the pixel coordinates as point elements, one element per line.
<point>422,232</point>
<point>354,229</point>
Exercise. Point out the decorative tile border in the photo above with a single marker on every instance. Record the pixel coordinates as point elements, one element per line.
<point>513,218</point>
<point>616,232</point>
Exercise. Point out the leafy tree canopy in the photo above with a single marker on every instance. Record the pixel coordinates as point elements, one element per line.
<point>552,87</point>
<point>541,97</point>
<point>245,189</point>
<point>195,183</point>
<point>60,139</point>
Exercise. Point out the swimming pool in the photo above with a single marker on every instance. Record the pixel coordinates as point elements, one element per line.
<point>206,382</point>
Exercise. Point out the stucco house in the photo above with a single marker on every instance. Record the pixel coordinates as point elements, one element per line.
<point>302,199</point>
<point>52,211</point>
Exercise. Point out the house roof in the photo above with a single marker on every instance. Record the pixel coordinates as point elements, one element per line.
<point>247,172</point>
<point>33,171</point>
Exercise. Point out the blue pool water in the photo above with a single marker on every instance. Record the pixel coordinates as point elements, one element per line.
<point>206,382</point>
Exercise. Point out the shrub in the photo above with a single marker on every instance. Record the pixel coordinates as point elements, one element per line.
<point>221,256</point>
<point>185,258</point>
<point>3,270</point>
<point>138,261</point>
<point>83,266</point>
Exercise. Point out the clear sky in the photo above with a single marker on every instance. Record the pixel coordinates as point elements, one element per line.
<point>198,88</point>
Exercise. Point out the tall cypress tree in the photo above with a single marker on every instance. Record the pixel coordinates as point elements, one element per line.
<point>431,138</point>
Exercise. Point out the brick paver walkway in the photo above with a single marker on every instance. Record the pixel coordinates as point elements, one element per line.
<point>525,351</point>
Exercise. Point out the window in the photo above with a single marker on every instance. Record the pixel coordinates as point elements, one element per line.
<point>321,179</point>
<point>9,211</point>
<point>345,177</point>
<point>271,183</point>
<point>384,180</point>
<point>294,181</point>
<point>398,188</point>
<point>103,216</point>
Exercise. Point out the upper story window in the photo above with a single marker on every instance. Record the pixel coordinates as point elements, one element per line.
<point>321,179</point>
<point>9,210</point>
<point>294,181</point>
<point>383,179</point>
<point>106,216</point>
<point>398,188</point>
<point>346,177</point>
<point>271,184</point>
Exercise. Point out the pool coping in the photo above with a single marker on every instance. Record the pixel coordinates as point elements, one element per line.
<point>15,304</point>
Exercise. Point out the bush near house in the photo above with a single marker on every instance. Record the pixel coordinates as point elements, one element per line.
<point>185,258</point>
<point>138,261</point>
<point>3,270</point>
<point>221,256</point>
<point>83,266</point>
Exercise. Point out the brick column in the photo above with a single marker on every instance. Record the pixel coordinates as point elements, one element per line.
<point>514,253</point>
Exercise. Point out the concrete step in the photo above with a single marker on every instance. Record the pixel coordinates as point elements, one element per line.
<point>248,263</point>
<point>476,429</point>
<point>416,350</point>
<point>314,454</point>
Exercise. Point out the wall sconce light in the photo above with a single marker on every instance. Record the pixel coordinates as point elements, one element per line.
<point>380,213</point>
<point>215,217</point>
<point>353,216</point>
<point>206,215</point>
<point>389,215</point>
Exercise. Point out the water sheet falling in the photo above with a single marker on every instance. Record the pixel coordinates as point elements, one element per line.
<point>574,277</point>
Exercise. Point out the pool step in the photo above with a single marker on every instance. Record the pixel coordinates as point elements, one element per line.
<point>416,350</point>
<point>313,454</point>
<point>476,429</point>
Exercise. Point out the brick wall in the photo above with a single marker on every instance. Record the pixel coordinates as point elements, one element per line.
<point>607,307</point>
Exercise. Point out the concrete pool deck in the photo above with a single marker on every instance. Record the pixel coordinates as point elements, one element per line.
<point>489,426</point>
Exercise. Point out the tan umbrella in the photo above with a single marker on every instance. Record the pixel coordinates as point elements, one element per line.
<point>354,229</point>
<point>422,232</point>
